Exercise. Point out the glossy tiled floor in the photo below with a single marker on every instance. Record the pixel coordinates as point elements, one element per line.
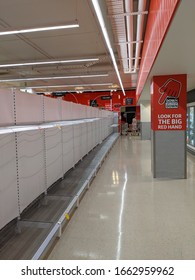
<point>127,214</point>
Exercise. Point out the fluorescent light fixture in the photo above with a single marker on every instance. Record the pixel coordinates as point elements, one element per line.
<point>53,78</point>
<point>107,40</point>
<point>27,90</point>
<point>92,90</point>
<point>48,62</point>
<point>114,86</point>
<point>67,86</point>
<point>38,29</point>
<point>106,89</point>
<point>79,88</point>
<point>75,91</point>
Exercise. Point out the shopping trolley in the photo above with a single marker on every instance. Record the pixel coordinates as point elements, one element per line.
<point>124,129</point>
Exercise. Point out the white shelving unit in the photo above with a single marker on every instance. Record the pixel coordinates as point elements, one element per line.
<point>40,140</point>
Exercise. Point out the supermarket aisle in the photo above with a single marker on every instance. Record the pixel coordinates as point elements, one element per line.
<point>127,214</point>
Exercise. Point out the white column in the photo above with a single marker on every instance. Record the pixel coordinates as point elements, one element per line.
<point>145,119</point>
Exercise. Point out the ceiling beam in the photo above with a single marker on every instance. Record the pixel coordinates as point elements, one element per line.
<point>127,14</point>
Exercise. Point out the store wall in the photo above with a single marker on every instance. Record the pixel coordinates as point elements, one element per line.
<point>159,19</point>
<point>191,96</point>
<point>145,120</point>
<point>107,100</point>
<point>190,131</point>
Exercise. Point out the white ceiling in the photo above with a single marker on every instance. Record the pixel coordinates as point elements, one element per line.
<point>83,42</point>
<point>177,54</point>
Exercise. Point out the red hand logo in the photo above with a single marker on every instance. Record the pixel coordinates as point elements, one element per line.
<point>171,88</point>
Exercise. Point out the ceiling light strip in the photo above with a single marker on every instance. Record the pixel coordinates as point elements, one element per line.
<point>48,62</point>
<point>66,86</point>
<point>53,78</point>
<point>84,90</point>
<point>107,40</point>
<point>129,42</point>
<point>38,29</point>
<point>92,90</point>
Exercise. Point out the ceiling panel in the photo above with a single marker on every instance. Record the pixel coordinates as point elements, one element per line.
<point>67,46</point>
<point>39,12</point>
<point>18,50</point>
<point>83,42</point>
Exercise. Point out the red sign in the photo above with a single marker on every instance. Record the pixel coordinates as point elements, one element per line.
<point>116,107</point>
<point>108,107</point>
<point>168,97</point>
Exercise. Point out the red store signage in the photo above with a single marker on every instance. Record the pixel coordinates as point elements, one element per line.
<point>168,102</point>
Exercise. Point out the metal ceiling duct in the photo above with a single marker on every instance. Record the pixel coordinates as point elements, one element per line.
<point>140,28</point>
<point>116,7</point>
<point>126,31</point>
<point>129,26</point>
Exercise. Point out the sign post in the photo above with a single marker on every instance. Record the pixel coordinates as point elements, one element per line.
<point>168,105</point>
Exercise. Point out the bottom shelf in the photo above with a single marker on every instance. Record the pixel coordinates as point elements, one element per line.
<point>41,223</point>
<point>191,149</point>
